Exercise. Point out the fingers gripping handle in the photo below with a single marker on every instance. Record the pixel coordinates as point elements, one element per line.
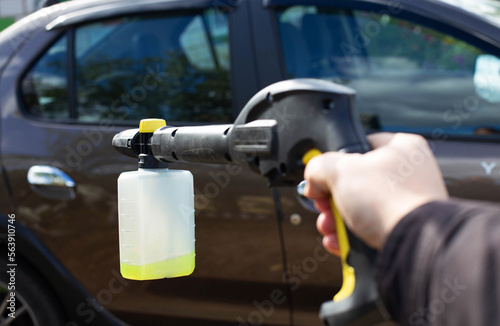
<point>357,303</point>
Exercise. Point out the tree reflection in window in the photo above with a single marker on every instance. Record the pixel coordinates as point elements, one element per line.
<point>138,68</point>
<point>408,76</point>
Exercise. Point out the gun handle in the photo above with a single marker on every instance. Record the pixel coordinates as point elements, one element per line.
<point>357,303</point>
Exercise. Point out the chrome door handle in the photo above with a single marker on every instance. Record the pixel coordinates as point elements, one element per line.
<point>44,175</point>
<point>50,182</point>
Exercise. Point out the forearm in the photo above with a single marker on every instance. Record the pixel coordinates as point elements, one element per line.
<point>439,266</point>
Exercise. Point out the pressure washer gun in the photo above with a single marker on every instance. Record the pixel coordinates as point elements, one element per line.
<point>278,131</point>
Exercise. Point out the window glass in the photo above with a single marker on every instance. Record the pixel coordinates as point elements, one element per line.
<point>171,67</point>
<point>44,87</point>
<point>408,77</point>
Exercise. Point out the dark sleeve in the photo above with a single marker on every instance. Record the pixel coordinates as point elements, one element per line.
<point>441,265</point>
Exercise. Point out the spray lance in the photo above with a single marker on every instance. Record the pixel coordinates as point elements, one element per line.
<point>278,131</point>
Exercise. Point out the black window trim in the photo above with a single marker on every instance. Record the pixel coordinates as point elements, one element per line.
<point>129,7</point>
<point>71,74</point>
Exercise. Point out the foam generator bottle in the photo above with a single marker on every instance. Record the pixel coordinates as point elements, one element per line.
<point>156,216</point>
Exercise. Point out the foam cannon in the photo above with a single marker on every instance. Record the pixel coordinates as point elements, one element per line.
<point>277,132</point>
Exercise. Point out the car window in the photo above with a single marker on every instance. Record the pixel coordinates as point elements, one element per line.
<point>44,87</point>
<point>408,77</point>
<point>174,67</point>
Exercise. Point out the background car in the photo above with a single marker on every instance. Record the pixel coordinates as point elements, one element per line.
<point>74,74</point>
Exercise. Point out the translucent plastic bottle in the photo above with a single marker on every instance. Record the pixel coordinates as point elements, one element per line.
<point>156,223</point>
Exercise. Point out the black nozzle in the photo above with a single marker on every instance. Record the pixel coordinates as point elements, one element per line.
<point>146,157</point>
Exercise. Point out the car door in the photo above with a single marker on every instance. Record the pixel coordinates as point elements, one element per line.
<point>71,88</point>
<point>424,68</point>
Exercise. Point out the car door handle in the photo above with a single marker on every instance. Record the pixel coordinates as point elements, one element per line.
<point>51,183</point>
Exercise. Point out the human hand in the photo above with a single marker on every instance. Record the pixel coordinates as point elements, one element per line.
<point>373,191</point>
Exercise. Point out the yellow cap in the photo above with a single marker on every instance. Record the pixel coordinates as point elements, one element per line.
<point>151,125</point>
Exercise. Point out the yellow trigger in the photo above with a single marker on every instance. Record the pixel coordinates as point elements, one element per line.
<point>348,274</point>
